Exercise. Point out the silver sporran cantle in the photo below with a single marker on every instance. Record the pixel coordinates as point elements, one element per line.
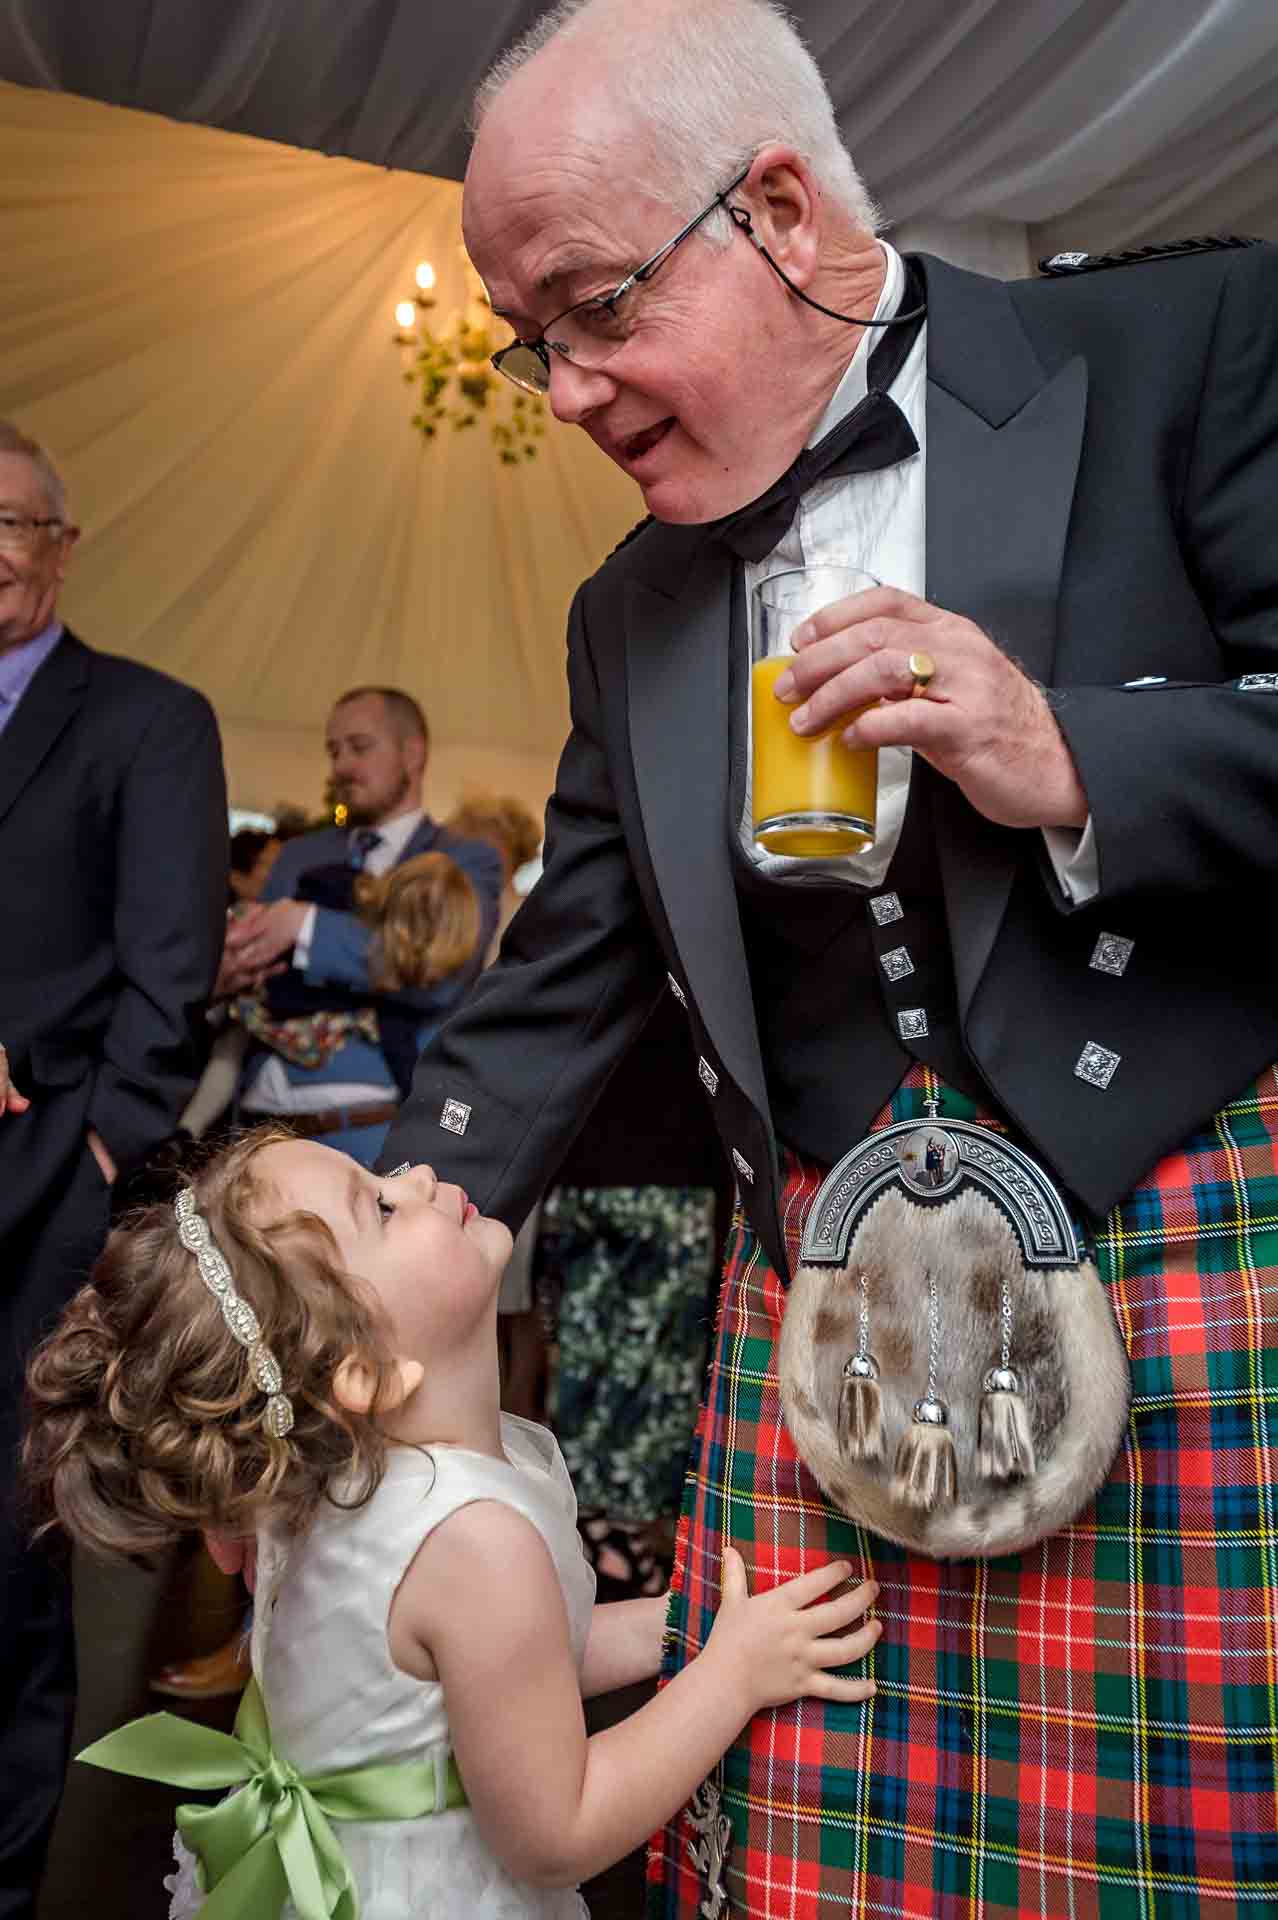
<point>950,1367</point>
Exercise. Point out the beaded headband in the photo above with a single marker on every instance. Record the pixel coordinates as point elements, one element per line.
<point>197,1238</point>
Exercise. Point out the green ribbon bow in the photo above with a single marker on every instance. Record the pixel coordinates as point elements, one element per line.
<point>272,1840</point>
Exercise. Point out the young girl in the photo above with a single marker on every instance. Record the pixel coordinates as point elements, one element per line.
<point>306,1350</point>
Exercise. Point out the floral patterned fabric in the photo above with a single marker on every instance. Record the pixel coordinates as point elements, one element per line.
<point>305,1039</point>
<point>627,1272</point>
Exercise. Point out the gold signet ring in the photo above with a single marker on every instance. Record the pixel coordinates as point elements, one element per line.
<point>923,667</point>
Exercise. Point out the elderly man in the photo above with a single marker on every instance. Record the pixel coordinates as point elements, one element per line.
<point>1068,483</point>
<point>377,743</point>
<point>113,849</point>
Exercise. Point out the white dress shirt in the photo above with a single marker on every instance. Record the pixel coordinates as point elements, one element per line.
<point>878,521</point>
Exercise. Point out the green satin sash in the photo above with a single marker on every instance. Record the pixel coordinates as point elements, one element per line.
<point>272,1840</point>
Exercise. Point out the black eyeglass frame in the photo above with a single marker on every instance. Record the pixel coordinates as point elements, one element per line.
<point>542,347</point>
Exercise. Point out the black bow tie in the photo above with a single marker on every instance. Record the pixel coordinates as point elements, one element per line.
<point>875,434</point>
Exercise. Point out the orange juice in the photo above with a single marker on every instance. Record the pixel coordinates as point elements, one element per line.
<point>819,794</point>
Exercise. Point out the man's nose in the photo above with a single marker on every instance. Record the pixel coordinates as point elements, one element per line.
<point>577,392</point>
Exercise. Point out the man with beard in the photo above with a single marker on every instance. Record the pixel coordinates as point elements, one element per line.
<point>377,742</point>
<point>1069,484</point>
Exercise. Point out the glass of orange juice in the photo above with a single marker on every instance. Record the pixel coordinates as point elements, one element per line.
<point>812,796</point>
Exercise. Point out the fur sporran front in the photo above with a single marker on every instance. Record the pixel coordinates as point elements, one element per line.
<point>950,1387</point>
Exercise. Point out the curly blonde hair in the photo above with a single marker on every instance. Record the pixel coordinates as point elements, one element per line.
<point>501,820</point>
<point>144,1421</point>
<point>425,916</point>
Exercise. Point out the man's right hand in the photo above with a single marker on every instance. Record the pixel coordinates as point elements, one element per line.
<point>238,973</point>
<point>11,1101</point>
<point>259,943</point>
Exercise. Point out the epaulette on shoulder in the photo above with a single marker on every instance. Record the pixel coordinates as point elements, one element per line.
<point>633,534</point>
<point>1059,264</point>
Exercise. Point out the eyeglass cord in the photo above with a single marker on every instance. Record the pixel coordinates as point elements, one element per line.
<point>742,220</point>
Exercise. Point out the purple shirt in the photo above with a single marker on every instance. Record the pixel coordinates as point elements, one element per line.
<point>19,666</point>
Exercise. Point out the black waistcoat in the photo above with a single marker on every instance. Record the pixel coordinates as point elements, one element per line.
<point>851,985</point>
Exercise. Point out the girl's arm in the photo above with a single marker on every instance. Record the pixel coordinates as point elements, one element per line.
<point>624,1645</point>
<point>482,1606</point>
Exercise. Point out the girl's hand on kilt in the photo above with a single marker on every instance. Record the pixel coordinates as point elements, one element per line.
<point>782,1646</point>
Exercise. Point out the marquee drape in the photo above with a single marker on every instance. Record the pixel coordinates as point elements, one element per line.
<point>200,325</point>
<point>1098,122</point>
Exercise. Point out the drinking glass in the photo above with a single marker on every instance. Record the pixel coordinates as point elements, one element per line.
<point>812,796</point>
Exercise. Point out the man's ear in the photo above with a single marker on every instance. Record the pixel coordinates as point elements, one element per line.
<point>355,1384</point>
<point>785,219</point>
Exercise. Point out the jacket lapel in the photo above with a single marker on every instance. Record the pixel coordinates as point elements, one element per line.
<point>46,709</point>
<point>421,839</point>
<point>1003,444</point>
<point>1004,438</point>
<point>677,686</point>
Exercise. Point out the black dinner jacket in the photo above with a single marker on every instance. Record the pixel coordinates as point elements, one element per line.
<point>1102,463</point>
<point>113,863</point>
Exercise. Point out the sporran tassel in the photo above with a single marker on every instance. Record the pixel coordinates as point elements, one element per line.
<point>926,1469</point>
<point>860,1415</point>
<point>1004,1447</point>
<point>861,1410</point>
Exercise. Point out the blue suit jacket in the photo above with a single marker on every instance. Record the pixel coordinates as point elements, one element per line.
<point>340,944</point>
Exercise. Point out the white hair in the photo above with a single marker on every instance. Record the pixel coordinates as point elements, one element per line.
<point>13,440</point>
<point>710,82</point>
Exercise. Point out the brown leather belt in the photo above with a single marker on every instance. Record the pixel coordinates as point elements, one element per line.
<point>308,1126</point>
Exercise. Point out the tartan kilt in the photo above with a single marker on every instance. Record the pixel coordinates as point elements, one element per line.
<point>1088,1729</point>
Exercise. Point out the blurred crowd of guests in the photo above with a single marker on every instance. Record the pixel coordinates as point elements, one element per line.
<point>161,983</point>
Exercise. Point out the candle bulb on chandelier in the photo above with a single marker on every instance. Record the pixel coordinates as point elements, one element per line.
<point>448,361</point>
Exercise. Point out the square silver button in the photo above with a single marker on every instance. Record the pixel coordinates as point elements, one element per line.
<point>912,1022</point>
<point>897,964</point>
<point>1097,1065</point>
<point>456,1116</point>
<point>886,907</point>
<point>709,1078</point>
<point>1111,954</point>
<point>677,991</point>
<point>743,1166</point>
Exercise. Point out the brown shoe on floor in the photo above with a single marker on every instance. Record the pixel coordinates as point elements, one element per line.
<point>226,1670</point>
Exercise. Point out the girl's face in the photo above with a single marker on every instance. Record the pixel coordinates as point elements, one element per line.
<point>433,1260</point>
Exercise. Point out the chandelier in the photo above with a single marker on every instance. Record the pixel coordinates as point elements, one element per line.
<point>449,365</point>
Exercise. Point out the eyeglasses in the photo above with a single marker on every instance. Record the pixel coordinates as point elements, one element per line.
<point>589,333</point>
<point>18,530</point>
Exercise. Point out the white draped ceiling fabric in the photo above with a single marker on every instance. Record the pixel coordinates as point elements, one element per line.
<point>200,325</point>
<point>198,321</point>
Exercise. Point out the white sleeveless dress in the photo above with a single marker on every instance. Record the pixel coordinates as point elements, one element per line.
<point>335,1699</point>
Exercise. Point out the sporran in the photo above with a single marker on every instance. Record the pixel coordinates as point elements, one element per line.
<point>950,1367</point>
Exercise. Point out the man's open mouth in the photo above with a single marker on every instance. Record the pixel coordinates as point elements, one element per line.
<point>640,443</point>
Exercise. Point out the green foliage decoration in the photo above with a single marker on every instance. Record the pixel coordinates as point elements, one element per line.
<point>456,384</point>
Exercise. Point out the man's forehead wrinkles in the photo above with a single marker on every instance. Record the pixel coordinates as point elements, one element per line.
<point>583,261</point>
<point>594,268</point>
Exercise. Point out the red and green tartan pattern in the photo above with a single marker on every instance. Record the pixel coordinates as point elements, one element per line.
<point>1086,1730</point>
